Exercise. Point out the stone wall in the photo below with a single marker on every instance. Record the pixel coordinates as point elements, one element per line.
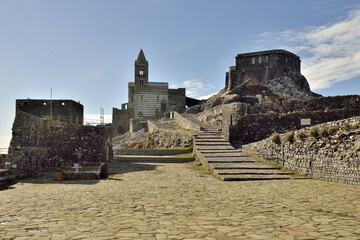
<point>67,111</point>
<point>3,159</point>
<point>250,123</point>
<point>177,100</point>
<point>335,158</point>
<point>38,144</point>
<point>120,120</point>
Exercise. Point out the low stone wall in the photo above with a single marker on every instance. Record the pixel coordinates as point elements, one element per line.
<point>336,158</point>
<point>38,144</point>
<point>254,127</point>
<point>186,123</point>
<point>3,158</point>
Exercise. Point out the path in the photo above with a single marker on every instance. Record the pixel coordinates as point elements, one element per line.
<point>178,201</point>
<point>229,164</point>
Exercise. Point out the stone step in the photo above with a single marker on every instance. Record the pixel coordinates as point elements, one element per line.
<point>250,171</point>
<point>249,177</point>
<point>151,159</point>
<point>241,166</point>
<point>230,160</point>
<point>208,136</point>
<point>150,152</point>
<point>223,155</point>
<point>211,140</point>
<point>207,147</point>
<point>211,144</point>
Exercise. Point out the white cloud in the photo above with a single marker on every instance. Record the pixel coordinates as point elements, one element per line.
<point>206,96</point>
<point>196,87</point>
<point>333,50</point>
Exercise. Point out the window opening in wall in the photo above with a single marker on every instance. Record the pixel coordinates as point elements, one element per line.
<point>267,59</point>
<point>260,59</point>
<point>157,98</point>
<point>63,103</point>
<point>141,72</point>
<point>44,103</point>
<point>142,97</point>
<point>163,106</point>
<point>140,114</point>
<point>253,60</point>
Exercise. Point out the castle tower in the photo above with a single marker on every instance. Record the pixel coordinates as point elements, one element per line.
<point>141,71</point>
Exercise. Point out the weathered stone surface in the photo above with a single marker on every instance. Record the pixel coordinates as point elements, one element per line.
<point>335,157</point>
<point>39,144</point>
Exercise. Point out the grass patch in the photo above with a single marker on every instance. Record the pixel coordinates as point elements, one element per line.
<point>264,161</point>
<point>200,169</point>
<point>184,155</point>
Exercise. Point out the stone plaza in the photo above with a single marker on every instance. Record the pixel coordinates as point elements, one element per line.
<point>177,201</point>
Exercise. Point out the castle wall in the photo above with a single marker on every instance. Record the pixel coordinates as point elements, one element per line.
<point>38,144</point>
<point>62,110</point>
<point>335,158</point>
<point>261,66</point>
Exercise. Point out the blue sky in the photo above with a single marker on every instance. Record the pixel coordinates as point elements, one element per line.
<point>85,50</point>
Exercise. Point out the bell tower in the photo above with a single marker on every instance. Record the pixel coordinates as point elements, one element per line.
<point>141,71</point>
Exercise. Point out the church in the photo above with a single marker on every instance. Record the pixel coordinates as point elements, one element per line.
<point>146,100</point>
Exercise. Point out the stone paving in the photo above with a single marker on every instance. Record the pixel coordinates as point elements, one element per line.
<point>178,201</point>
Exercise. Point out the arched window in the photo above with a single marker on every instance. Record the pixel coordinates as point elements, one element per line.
<point>140,114</point>
<point>141,72</point>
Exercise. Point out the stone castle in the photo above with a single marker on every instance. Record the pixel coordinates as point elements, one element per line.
<point>146,100</point>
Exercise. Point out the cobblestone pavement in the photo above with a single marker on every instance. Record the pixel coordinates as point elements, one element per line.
<point>178,201</point>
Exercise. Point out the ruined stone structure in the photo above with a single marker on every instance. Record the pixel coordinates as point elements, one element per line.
<point>146,100</point>
<point>67,111</point>
<point>267,76</point>
<point>265,93</point>
<point>39,144</point>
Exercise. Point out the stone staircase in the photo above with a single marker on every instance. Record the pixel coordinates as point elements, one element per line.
<point>217,155</point>
<point>151,156</point>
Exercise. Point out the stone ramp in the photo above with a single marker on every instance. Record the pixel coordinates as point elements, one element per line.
<point>151,156</point>
<point>230,164</point>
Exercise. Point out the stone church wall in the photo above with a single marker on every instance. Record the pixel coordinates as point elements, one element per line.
<point>38,144</point>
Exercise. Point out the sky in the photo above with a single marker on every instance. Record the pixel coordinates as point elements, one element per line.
<point>85,50</point>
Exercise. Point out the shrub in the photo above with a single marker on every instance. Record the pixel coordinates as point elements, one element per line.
<point>332,131</point>
<point>313,132</point>
<point>275,138</point>
<point>324,132</point>
<point>300,135</point>
<point>289,137</point>
<point>347,126</point>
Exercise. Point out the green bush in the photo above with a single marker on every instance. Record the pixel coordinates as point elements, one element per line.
<point>324,132</point>
<point>347,126</point>
<point>313,132</point>
<point>332,131</point>
<point>275,138</point>
<point>301,135</point>
<point>289,137</point>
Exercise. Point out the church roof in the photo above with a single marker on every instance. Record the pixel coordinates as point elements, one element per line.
<point>141,58</point>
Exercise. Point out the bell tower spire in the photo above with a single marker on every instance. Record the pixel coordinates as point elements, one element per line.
<point>141,70</point>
